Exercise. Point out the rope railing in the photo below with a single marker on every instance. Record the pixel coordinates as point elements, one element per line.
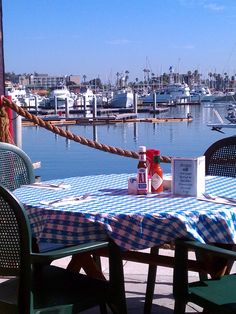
<point>4,126</point>
<point>69,135</point>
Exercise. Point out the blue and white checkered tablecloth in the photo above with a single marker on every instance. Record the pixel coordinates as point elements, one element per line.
<point>132,221</point>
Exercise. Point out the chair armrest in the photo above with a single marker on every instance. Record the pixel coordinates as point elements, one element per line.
<point>207,248</point>
<point>51,255</point>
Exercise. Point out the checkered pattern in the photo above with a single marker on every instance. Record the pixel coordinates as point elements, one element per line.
<point>132,221</point>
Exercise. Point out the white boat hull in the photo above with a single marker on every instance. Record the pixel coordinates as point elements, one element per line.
<point>170,94</point>
<point>121,100</point>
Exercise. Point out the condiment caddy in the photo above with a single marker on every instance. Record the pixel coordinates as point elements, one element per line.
<point>149,177</point>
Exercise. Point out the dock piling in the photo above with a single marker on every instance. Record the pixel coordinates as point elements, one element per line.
<point>94,107</point>
<point>17,127</point>
<point>154,100</point>
<point>135,101</point>
<point>84,105</point>
<point>36,104</point>
<point>55,104</point>
<point>66,107</point>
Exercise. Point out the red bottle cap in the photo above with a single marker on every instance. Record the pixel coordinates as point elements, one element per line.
<point>156,152</point>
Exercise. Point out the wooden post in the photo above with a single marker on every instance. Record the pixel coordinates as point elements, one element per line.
<point>94,107</point>
<point>55,104</point>
<point>95,135</point>
<point>66,107</point>
<point>84,105</point>
<point>36,104</point>
<point>154,100</point>
<point>17,126</point>
<point>135,102</point>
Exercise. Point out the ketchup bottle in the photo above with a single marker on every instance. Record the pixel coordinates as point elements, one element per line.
<point>157,174</point>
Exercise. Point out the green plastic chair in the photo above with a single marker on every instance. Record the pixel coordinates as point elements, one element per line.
<point>16,167</point>
<point>221,161</point>
<point>49,289</point>
<point>216,295</point>
<point>221,158</point>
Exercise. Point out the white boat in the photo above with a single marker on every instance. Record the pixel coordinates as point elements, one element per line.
<point>231,114</point>
<point>32,100</point>
<point>61,95</point>
<point>219,97</point>
<point>225,99</point>
<point>199,92</point>
<point>102,98</point>
<point>231,117</point>
<point>172,93</point>
<point>122,98</point>
<point>86,94</point>
<point>16,93</point>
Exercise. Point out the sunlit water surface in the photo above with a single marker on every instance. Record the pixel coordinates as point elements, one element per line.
<point>61,158</point>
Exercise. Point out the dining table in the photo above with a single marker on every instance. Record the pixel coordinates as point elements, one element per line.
<point>81,209</point>
<point>97,207</point>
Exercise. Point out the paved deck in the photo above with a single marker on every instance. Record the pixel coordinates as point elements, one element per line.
<point>135,285</point>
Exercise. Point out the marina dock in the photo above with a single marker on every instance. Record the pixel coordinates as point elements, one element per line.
<point>115,118</point>
<point>102,115</point>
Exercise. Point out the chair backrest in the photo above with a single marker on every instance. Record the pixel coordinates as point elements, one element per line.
<point>15,248</point>
<point>15,235</point>
<point>15,167</point>
<point>221,158</point>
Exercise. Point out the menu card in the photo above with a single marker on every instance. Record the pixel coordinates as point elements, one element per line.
<point>188,176</point>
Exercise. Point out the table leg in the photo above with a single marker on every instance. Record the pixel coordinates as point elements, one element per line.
<point>116,272</point>
<point>151,281</point>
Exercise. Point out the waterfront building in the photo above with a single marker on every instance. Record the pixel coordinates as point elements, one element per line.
<point>45,81</point>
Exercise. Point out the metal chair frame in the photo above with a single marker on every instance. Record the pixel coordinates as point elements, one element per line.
<point>221,158</point>
<point>215,295</point>
<point>16,167</point>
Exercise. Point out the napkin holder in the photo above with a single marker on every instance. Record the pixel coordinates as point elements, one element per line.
<point>188,176</point>
<point>132,185</point>
<point>167,182</point>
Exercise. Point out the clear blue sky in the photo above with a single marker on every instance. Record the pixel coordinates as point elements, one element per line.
<point>103,37</point>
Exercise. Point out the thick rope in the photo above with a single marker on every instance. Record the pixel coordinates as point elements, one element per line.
<point>5,135</point>
<point>67,134</point>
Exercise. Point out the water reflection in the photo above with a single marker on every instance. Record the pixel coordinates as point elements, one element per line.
<point>95,135</point>
<point>62,157</point>
<point>67,140</point>
<point>135,132</point>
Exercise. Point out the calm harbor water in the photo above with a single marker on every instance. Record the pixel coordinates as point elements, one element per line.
<point>61,158</point>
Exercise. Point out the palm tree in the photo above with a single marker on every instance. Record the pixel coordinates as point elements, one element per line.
<point>165,78</point>
<point>117,78</point>
<point>232,81</point>
<point>126,76</point>
<point>210,75</point>
<point>196,76</point>
<point>84,78</point>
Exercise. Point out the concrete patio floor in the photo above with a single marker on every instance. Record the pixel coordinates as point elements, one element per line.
<point>135,285</point>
